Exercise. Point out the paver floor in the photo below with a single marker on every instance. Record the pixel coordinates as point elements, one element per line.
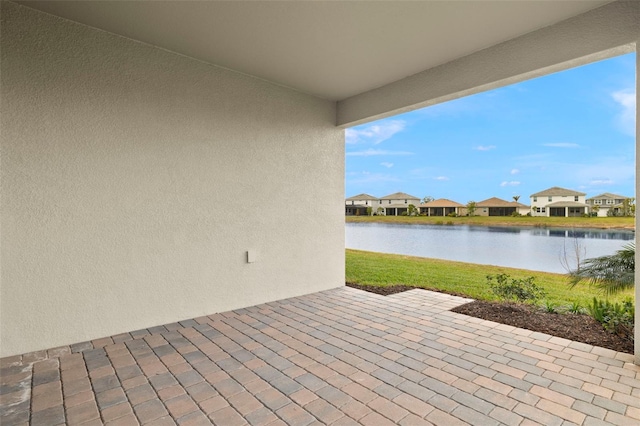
<point>336,357</point>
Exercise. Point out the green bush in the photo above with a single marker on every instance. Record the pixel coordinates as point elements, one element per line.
<point>614,317</point>
<point>521,290</point>
<point>575,308</point>
<point>550,307</point>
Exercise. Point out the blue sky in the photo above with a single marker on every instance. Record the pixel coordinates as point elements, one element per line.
<point>574,129</point>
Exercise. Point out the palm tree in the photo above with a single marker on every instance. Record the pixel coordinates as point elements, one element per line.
<point>612,274</point>
<point>516,198</point>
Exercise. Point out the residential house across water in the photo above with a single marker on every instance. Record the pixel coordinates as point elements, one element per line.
<point>602,204</point>
<point>441,207</point>
<point>555,201</point>
<point>358,204</point>
<point>498,207</point>
<point>390,205</point>
<point>558,201</point>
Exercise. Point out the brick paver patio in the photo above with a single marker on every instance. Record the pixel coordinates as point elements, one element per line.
<point>336,357</point>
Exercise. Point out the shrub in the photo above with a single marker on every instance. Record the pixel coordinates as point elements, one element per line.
<point>515,214</point>
<point>614,317</point>
<point>550,307</point>
<point>520,290</point>
<point>575,308</point>
<point>453,214</point>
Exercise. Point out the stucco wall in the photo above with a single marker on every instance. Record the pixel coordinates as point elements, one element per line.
<point>134,180</point>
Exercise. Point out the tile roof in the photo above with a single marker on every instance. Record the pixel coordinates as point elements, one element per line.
<point>567,204</point>
<point>442,202</point>
<point>496,202</point>
<point>399,196</point>
<point>556,190</point>
<point>608,195</point>
<point>361,197</point>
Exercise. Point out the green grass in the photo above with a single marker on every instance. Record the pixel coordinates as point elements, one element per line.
<point>545,222</point>
<point>380,269</point>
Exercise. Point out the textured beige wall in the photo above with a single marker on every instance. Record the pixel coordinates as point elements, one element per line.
<point>134,180</point>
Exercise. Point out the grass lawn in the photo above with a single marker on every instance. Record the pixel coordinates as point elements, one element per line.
<point>545,222</point>
<point>380,269</point>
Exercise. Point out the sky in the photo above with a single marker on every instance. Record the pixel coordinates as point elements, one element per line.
<point>574,129</point>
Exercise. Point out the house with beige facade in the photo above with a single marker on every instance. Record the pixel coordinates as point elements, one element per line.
<point>558,201</point>
<point>441,207</point>
<point>358,204</point>
<point>495,206</point>
<point>602,204</point>
<point>397,203</point>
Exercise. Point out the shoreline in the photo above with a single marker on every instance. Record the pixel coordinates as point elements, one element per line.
<point>620,224</point>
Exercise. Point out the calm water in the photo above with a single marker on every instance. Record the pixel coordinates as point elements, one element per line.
<point>527,248</point>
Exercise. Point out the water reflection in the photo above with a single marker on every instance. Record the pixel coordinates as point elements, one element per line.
<point>527,248</point>
<point>587,233</point>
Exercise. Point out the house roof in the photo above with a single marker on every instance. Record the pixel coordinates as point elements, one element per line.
<point>556,191</point>
<point>496,202</point>
<point>399,196</point>
<point>608,195</point>
<point>567,204</point>
<point>362,197</point>
<point>442,202</point>
<point>333,50</point>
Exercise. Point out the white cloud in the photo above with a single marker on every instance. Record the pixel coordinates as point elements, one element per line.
<point>441,178</point>
<point>627,117</point>
<point>599,182</point>
<point>386,164</point>
<point>515,171</point>
<point>484,148</point>
<point>510,183</point>
<point>562,145</point>
<point>370,152</point>
<point>375,133</point>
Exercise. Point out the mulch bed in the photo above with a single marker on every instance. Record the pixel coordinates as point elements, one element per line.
<point>580,328</point>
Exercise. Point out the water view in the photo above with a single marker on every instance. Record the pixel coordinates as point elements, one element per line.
<point>527,248</point>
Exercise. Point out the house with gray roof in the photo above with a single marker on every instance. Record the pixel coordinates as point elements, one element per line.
<point>397,203</point>
<point>358,204</point>
<point>607,202</point>
<point>556,201</point>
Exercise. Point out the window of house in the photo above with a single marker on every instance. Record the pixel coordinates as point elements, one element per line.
<point>550,198</point>
<point>575,198</point>
<point>537,209</point>
<point>405,201</point>
<point>535,199</point>
<point>389,201</point>
<point>544,209</point>
<point>609,201</point>
<point>598,202</point>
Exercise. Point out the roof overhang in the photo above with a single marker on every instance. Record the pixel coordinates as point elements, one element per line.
<point>374,58</point>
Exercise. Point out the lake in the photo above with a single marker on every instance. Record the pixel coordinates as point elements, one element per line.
<point>531,248</point>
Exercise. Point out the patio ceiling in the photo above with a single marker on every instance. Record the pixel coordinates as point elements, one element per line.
<point>333,50</point>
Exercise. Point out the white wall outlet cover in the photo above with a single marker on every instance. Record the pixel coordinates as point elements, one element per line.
<point>251,256</point>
